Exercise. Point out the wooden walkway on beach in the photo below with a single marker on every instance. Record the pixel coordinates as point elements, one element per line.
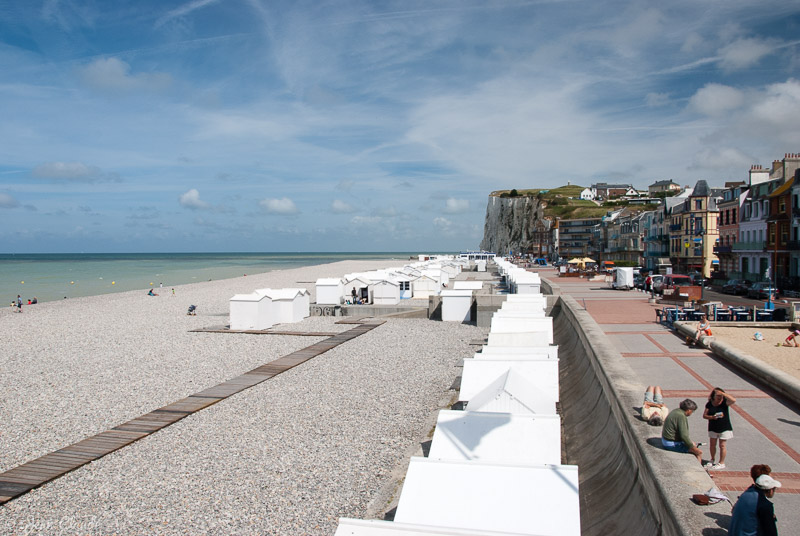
<point>30,475</point>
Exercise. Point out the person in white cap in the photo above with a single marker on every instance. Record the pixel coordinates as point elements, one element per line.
<point>754,513</point>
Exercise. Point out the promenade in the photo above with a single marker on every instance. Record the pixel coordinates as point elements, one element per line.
<point>766,427</point>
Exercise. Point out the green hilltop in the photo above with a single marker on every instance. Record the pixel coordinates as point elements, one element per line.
<point>561,202</point>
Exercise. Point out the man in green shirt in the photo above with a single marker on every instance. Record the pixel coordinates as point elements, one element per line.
<point>675,433</point>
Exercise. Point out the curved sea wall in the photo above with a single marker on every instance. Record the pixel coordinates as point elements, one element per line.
<point>510,223</point>
<point>628,483</point>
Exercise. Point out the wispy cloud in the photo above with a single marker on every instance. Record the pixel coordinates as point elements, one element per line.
<point>113,75</point>
<point>73,171</point>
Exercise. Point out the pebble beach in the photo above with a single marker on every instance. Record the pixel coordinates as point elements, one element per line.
<point>288,456</point>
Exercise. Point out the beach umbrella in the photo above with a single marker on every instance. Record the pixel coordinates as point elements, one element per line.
<point>587,259</point>
<point>576,260</point>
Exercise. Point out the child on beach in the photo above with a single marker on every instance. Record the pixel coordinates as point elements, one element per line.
<point>791,339</point>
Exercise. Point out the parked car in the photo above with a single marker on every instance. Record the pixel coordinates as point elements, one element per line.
<point>657,279</point>
<point>698,280</point>
<point>671,281</point>
<point>736,286</point>
<point>762,291</point>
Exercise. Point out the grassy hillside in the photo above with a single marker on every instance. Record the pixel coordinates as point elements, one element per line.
<point>560,201</point>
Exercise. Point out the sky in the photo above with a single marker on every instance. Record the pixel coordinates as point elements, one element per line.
<point>259,125</point>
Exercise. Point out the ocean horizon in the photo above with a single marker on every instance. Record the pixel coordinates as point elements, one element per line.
<point>56,276</point>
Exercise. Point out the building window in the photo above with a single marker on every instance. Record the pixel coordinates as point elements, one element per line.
<point>698,204</point>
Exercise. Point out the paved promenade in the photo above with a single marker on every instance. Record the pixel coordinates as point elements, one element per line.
<point>766,427</point>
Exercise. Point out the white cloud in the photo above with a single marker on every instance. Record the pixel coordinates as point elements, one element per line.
<point>743,53</point>
<point>113,74</point>
<point>341,207</point>
<point>442,223</point>
<point>6,201</point>
<point>72,171</point>
<point>191,199</point>
<point>456,206</point>
<point>721,159</point>
<point>779,103</point>
<point>366,220</point>
<point>283,205</point>
<point>716,100</point>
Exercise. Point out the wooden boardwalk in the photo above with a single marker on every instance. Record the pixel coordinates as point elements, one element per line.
<point>30,475</point>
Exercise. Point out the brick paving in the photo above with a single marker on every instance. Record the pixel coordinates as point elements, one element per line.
<point>766,426</point>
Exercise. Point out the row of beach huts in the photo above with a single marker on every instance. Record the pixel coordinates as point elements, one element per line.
<point>264,308</point>
<point>494,467</point>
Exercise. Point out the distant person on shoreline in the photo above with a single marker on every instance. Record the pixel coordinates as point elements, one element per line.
<point>19,303</point>
<point>35,300</point>
<point>151,293</point>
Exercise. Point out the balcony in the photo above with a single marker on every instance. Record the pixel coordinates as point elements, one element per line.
<point>675,227</point>
<point>758,245</point>
<point>722,249</point>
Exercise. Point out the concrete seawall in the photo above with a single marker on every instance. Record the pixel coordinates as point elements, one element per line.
<point>629,484</point>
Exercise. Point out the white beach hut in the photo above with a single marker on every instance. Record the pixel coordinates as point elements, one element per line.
<point>456,305</point>
<point>385,292</point>
<point>491,496</point>
<point>404,281</point>
<point>497,437</point>
<point>359,282</point>
<point>512,392</point>
<point>468,285</point>
<point>288,304</point>
<point>330,291</point>
<point>424,287</point>
<point>250,311</point>
<point>480,373</point>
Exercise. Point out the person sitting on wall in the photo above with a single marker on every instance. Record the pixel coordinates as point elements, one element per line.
<point>675,433</point>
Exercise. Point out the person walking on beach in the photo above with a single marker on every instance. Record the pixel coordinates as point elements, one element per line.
<point>717,413</point>
<point>675,433</point>
<point>19,303</point>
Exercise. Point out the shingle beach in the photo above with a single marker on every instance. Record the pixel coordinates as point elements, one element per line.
<point>288,456</point>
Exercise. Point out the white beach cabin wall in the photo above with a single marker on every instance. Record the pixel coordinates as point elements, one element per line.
<point>497,437</point>
<point>250,311</point>
<point>424,287</point>
<point>385,292</point>
<point>288,304</point>
<point>361,284</point>
<point>456,305</point>
<point>330,291</point>
<point>504,497</point>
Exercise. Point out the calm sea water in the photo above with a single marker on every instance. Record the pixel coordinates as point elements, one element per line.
<point>55,276</point>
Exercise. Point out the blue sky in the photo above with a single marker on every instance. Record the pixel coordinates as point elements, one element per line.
<point>255,125</point>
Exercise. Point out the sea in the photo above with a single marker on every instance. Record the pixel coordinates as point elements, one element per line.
<point>56,276</point>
